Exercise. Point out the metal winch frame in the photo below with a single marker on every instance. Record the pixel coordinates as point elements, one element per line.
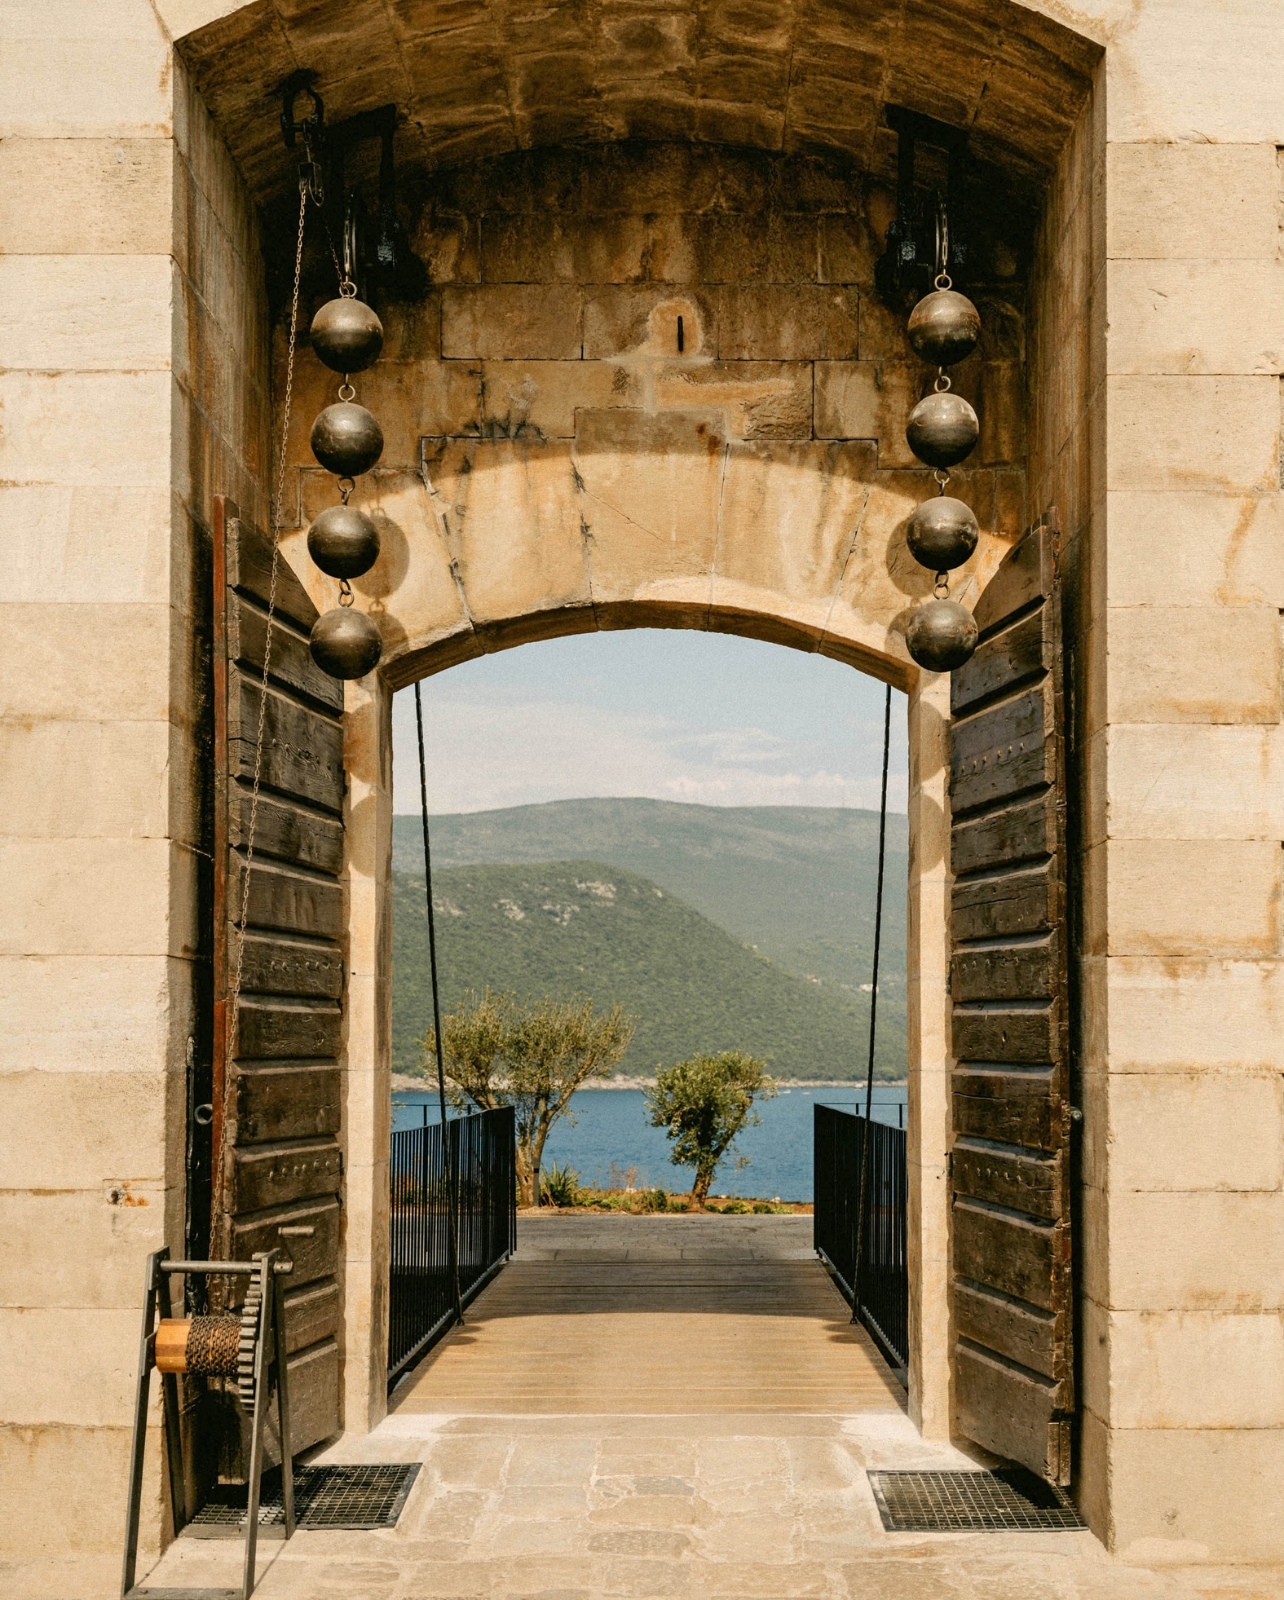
<point>258,1363</point>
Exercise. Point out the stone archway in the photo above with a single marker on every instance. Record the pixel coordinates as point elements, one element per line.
<point>554,464</point>
<point>137,191</point>
<point>556,461</point>
<point>367,1034</point>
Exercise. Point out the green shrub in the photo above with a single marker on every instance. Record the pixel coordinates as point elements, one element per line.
<point>764,1208</point>
<point>653,1200</point>
<point>560,1185</point>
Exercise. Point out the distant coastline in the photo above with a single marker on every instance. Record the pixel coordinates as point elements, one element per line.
<point>403,1084</point>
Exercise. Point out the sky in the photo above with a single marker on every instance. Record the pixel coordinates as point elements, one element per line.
<point>663,714</point>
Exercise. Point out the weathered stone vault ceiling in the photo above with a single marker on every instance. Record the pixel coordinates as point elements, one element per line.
<point>476,78</point>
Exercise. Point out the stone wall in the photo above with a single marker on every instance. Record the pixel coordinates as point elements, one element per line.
<point>1154,429</point>
<point>133,343</point>
<point>1155,412</point>
<point>131,292</point>
<point>1183,1342</point>
<point>550,451</point>
<point>554,463</point>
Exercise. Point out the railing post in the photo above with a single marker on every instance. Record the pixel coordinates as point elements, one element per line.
<point>878,1283</point>
<point>466,1181</point>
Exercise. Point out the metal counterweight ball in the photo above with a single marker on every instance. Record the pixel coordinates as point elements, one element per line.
<point>941,635</point>
<point>347,439</point>
<point>344,542</point>
<point>944,327</point>
<point>346,643</point>
<point>347,335</point>
<point>941,535</point>
<point>942,429</point>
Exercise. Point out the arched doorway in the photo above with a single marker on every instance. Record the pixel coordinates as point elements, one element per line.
<point>652,383</point>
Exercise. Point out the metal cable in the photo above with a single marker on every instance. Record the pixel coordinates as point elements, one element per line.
<point>234,988</point>
<point>452,1198</point>
<point>867,1141</point>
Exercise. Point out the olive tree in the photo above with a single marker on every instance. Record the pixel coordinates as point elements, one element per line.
<point>702,1104</point>
<point>532,1056</point>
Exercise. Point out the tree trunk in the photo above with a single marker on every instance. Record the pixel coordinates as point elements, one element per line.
<point>525,1176</point>
<point>700,1190</point>
<point>535,1156</point>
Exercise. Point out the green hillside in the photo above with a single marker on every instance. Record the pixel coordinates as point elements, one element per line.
<point>795,881</point>
<point>583,926</point>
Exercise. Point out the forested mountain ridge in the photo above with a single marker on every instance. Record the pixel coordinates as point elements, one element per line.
<point>588,927</point>
<point>796,882</point>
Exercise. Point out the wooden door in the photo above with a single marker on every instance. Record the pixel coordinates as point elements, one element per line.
<point>1012,1289</point>
<point>276,1104</point>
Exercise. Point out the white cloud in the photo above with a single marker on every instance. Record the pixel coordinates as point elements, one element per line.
<point>504,748</point>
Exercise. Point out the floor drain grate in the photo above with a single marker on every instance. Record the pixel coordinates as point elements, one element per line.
<point>348,1497</point>
<point>946,1502</point>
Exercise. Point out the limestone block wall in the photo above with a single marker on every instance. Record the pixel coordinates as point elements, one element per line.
<point>1184,1145</point>
<point>133,378</point>
<point>551,451</point>
<point>1155,407</point>
<point>542,371</point>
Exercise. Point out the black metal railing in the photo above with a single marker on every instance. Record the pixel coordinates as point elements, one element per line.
<point>477,1151</point>
<point>883,1278</point>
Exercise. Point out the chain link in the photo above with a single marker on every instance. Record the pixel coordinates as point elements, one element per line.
<point>234,988</point>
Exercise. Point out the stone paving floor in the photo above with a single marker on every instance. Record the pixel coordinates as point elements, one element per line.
<point>707,1501</point>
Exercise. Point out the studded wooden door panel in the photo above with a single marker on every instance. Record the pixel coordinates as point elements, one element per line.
<point>1012,1290</point>
<point>276,1105</point>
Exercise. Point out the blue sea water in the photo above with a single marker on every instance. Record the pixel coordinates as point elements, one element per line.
<point>611,1131</point>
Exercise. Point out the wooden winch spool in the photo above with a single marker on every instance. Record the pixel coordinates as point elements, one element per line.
<point>249,1347</point>
<point>201,1346</point>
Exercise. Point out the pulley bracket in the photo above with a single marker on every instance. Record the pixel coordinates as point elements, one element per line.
<point>361,256</point>
<point>370,255</point>
<point>926,236</point>
<point>311,129</point>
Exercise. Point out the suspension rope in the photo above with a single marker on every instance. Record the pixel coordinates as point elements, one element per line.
<point>452,1198</point>
<point>867,1142</point>
<point>234,988</point>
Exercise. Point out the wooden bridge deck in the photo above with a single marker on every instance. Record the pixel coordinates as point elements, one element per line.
<point>691,1315</point>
